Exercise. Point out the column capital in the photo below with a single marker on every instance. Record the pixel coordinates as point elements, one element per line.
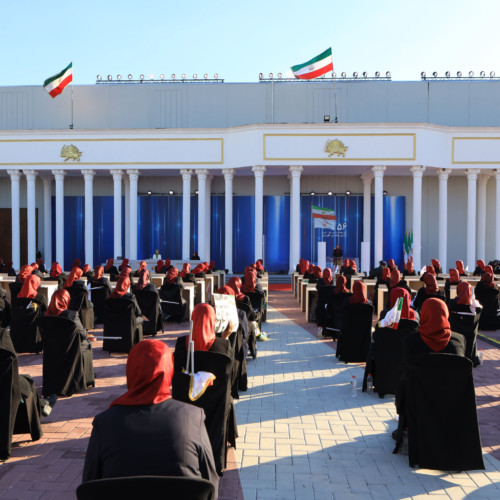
<point>417,170</point>
<point>472,173</point>
<point>259,170</point>
<point>296,170</point>
<point>15,175</point>
<point>367,178</point>
<point>228,173</point>
<point>30,174</point>
<point>378,170</point>
<point>201,173</point>
<point>59,174</point>
<point>46,178</point>
<point>186,174</point>
<point>88,175</point>
<point>134,173</point>
<point>443,173</point>
<point>117,174</point>
<point>484,176</point>
<point>496,173</point>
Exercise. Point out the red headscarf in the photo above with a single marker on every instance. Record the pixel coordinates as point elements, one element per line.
<point>386,273</point>
<point>430,270</point>
<point>406,311</point>
<point>159,266</point>
<point>489,269</point>
<point>203,318</point>
<point>212,264</point>
<point>340,284</point>
<point>126,271</point>
<point>226,290</point>
<point>124,264</point>
<point>30,287</point>
<point>250,280</point>
<point>55,270</point>
<point>435,328</point>
<point>235,284</point>
<point>487,280</point>
<point>76,263</point>
<point>75,274</point>
<point>460,267</point>
<point>143,279</point>
<point>352,265</point>
<point>150,368</point>
<point>430,283</point>
<point>86,269</point>
<point>109,264</point>
<point>121,288</point>
<point>327,276</point>
<point>391,264</point>
<point>143,265</point>
<point>395,278</point>
<point>310,269</point>
<point>207,266</point>
<point>464,293</point>
<point>317,271</point>
<point>173,272</point>
<point>454,276</point>
<point>303,266</point>
<point>198,269</point>
<point>436,264</point>
<point>358,293</point>
<point>409,266</point>
<point>24,272</point>
<point>58,303</point>
<point>98,272</point>
<point>186,268</point>
<point>259,265</point>
<point>480,264</point>
<point>167,263</point>
<point>34,266</point>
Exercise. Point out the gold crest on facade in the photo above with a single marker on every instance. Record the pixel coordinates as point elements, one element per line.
<point>70,153</point>
<point>335,147</point>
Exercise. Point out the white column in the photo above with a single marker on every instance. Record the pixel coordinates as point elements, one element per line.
<point>418,172</point>
<point>481,216</point>
<point>133,176</point>
<point>443,174</point>
<point>497,223</point>
<point>367,206</point>
<point>228,222</point>
<point>202,195</point>
<point>88,177</point>
<point>186,213</point>
<point>295,173</point>
<point>47,220</point>
<point>126,187</point>
<point>259,211</point>
<point>59,177</point>
<point>31,212</point>
<point>15,177</point>
<point>208,217</point>
<point>472,174</point>
<point>378,172</point>
<point>117,212</point>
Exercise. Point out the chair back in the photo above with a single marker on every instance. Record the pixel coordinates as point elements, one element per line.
<point>25,314</point>
<point>131,488</point>
<point>78,295</point>
<point>440,411</point>
<point>355,333</point>
<point>148,302</point>
<point>257,300</point>
<point>467,325</point>
<point>172,309</point>
<point>98,296</point>
<point>120,321</point>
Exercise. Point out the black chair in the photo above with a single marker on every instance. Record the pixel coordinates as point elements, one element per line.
<point>440,412</point>
<point>4,310</point>
<point>19,402</point>
<point>99,293</point>
<point>216,401</point>
<point>355,333</point>
<point>173,306</point>
<point>258,301</point>
<point>24,332</point>
<point>488,297</point>
<point>132,488</point>
<point>66,369</point>
<point>120,321</point>
<point>333,321</point>
<point>15,288</point>
<point>467,324</point>
<point>324,294</point>
<point>149,302</point>
<point>80,302</point>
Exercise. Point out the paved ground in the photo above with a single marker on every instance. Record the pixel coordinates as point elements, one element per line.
<point>302,435</point>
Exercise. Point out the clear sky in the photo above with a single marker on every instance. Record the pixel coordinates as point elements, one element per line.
<point>238,40</point>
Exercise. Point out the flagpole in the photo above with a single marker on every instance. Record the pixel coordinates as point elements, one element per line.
<point>71,124</point>
<point>335,98</point>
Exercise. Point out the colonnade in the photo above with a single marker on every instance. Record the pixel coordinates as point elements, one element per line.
<point>476,210</point>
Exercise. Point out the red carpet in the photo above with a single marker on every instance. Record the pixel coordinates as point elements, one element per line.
<point>280,286</point>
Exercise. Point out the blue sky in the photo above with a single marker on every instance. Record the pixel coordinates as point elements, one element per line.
<point>238,40</point>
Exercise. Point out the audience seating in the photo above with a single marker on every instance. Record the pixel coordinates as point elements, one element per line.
<point>24,332</point>
<point>120,321</point>
<point>149,302</point>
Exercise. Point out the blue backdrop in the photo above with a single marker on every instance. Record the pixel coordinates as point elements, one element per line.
<point>160,226</point>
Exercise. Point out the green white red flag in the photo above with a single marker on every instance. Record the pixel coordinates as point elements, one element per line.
<point>393,317</point>
<point>317,66</point>
<point>56,84</point>
<point>324,218</point>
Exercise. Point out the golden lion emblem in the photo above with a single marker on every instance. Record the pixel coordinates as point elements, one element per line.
<point>70,153</point>
<point>335,147</point>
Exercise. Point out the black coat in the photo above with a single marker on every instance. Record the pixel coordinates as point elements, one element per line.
<point>415,345</point>
<point>422,296</point>
<point>355,333</point>
<point>463,321</point>
<point>488,297</point>
<point>165,439</point>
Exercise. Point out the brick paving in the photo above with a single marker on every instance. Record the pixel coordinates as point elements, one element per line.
<point>302,435</point>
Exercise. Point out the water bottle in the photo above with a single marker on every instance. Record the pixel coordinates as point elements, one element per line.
<point>353,386</point>
<point>480,356</point>
<point>369,383</point>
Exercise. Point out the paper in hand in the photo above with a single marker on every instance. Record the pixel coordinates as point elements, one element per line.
<point>225,310</point>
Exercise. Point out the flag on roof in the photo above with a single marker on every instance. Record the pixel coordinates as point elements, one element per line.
<point>55,84</point>
<point>324,218</point>
<point>315,67</point>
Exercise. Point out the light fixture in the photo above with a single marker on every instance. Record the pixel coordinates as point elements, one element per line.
<point>326,118</point>
<point>130,76</point>
<point>343,75</point>
<point>447,74</point>
<point>119,77</point>
<point>196,192</point>
<point>329,193</point>
<point>195,76</point>
<point>271,75</point>
<point>173,76</point>
<point>348,192</point>
<point>162,77</point>
<point>423,74</point>
<point>377,74</point>
<point>171,191</point>
<point>365,74</point>
<point>312,193</point>
<point>435,74</point>
<point>141,77</point>
<point>183,76</point>
<point>355,74</point>
<point>471,74</point>
<point>384,192</point>
<point>482,74</point>
<point>280,75</point>
<point>261,76</point>
<point>216,75</point>
<point>99,77</point>
<point>387,74</point>
<point>492,74</point>
<point>150,192</point>
<point>205,76</point>
<point>459,74</point>
<point>334,75</point>
<point>151,77</point>
<point>110,77</point>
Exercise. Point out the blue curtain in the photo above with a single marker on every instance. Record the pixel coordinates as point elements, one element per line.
<point>276,233</point>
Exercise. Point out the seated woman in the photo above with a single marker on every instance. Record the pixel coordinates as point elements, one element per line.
<point>259,265</point>
<point>397,282</point>
<point>336,302</point>
<point>16,286</point>
<point>487,294</point>
<point>249,282</point>
<point>479,271</point>
<point>465,302</point>
<point>124,265</point>
<point>97,279</point>
<point>460,267</point>
<point>76,263</point>
<point>142,265</point>
<point>121,292</point>
<point>409,270</point>
<point>437,266</point>
<point>454,279</point>
<point>29,290</point>
<point>186,275</point>
<point>143,283</point>
<point>56,274</point>
<point>302,266</point>
<point>199,270</point>
<point>430,290</point>
<point>145,431</point>
<point>77,289</point>
<point>160,267</point>
<point>384,280</point>
<point>316,274</point>
<point>358,295</point>
<point>309,272</point>
<point>428,270</point>
<point>111,269</point>
<point>243,301</point>
<point>173,306</point>
<point>87,272</point>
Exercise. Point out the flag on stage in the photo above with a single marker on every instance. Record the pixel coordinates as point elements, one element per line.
<point>55,84</point>
<point>317,66</point>
<point>324,218</point>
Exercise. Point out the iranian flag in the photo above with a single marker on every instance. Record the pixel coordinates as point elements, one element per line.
<point>317,66</point>
<point>55,84</point>
<point>324,218</point>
